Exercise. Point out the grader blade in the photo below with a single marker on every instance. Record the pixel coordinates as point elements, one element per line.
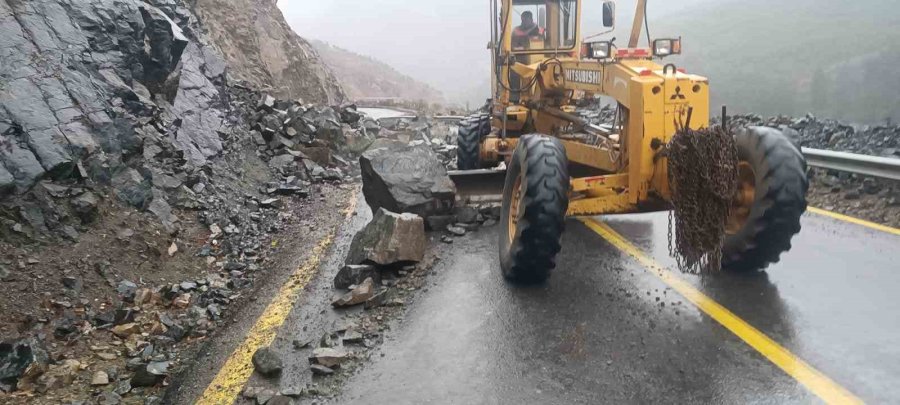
<point>479,186</point>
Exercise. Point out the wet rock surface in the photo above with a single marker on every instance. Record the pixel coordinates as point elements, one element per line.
<point>267,362</point>
<point>406,179</point>
<point>389,239</point>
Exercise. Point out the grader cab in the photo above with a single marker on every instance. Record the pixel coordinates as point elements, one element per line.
<point>559,165</point>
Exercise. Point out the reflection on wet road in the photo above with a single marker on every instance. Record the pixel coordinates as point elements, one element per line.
<point>605,329</point>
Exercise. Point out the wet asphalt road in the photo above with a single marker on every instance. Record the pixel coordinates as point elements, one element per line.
<point>604,330</point>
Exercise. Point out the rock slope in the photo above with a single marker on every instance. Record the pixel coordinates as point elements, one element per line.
<point>261,48</point>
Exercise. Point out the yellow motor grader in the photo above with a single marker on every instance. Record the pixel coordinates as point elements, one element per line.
<point>559,165</point>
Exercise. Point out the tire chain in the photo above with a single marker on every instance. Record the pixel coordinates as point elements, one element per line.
<point>703,169</point>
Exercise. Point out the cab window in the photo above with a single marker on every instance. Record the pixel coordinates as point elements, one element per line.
<point>544,25</point>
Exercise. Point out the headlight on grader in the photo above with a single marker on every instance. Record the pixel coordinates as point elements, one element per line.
<point>666,47</point>
<point>599,50</point>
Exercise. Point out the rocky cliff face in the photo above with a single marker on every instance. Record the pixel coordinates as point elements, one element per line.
<point>83,81</point>
<point>261,48</point>
<point>87,85</point>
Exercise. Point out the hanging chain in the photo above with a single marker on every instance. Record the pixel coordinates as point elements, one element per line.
<point>703,177</point>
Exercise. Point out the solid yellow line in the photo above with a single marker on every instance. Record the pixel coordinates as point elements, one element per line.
<point>818,383</point>
<point>857,221</point>
<point>228,383</point>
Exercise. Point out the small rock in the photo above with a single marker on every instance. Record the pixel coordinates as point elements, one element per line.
<point>466,214</point>
<point>123,316</point>
<point>328,340</point>
<point>110,398</point>
<point>173,248</point>
<point>100,378</point>
<point>439,222</point>
<point>280,400</point>
<point>72,283</point>
<point>251,392</point>
<point>358,295</point>
<point>455,230</point>
<point>870,186</point>
<point>319,369</point>
<point>377,300</point>
<point>151,374</point>
<point>469,227</point>
<point>270,203</point>
<point>301,343</point>
<point>127,289</point>
<point>329,357</point>
<point>355,274</point>
<point>125,330</point>
<point>489,222</point>
<point>352,336</point>
<point>266,362</point>
<point>85,207</point>
<point>123,387</point>
<point>106,356</point>
<point>182,301</point>
<point>266,102</point>
<point>264,396</point>
<point>446,239</point>
<point>143,296</point>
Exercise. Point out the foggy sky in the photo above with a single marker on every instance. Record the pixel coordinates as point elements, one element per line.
<point>442,43</point>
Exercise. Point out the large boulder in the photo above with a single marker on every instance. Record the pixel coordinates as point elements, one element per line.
<point>406,179</point>
<point>390,238</point>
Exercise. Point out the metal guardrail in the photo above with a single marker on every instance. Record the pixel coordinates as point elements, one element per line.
<point>883,167</point>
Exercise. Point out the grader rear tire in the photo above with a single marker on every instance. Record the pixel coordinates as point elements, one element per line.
<point>468,142</point>
<point>771,198</point>
<point>535,201</point>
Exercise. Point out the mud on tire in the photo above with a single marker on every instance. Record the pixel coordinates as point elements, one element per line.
<point>780,199</point>
<point>468,142</point>
<point>528,246</point>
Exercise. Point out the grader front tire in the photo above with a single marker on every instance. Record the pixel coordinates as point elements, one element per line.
<point>468,141</point>
<point>771,198</point>
<point>535,201</point>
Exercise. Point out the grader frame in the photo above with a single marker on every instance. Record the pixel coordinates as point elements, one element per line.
<point>559,165</point>
<point>628,174</point>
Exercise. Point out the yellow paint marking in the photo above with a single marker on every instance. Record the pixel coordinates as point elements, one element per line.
<point>233,375</point>
<point>818,383</point>
<point>857,221</point>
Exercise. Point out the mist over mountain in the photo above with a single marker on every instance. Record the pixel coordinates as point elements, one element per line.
<point>365,77</point>
<point>828,57</point>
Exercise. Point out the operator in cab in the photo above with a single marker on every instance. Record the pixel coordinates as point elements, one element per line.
<point>521,36</point>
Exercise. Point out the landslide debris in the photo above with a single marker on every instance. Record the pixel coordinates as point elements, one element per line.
<point>143,186</point>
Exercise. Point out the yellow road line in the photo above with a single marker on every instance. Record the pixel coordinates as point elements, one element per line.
<point>228,383</point>
<point>818,383</point>
<point>862,222</point>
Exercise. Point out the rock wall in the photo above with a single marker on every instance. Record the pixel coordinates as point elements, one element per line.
<point>87,84</point>
<point>261,49</point>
